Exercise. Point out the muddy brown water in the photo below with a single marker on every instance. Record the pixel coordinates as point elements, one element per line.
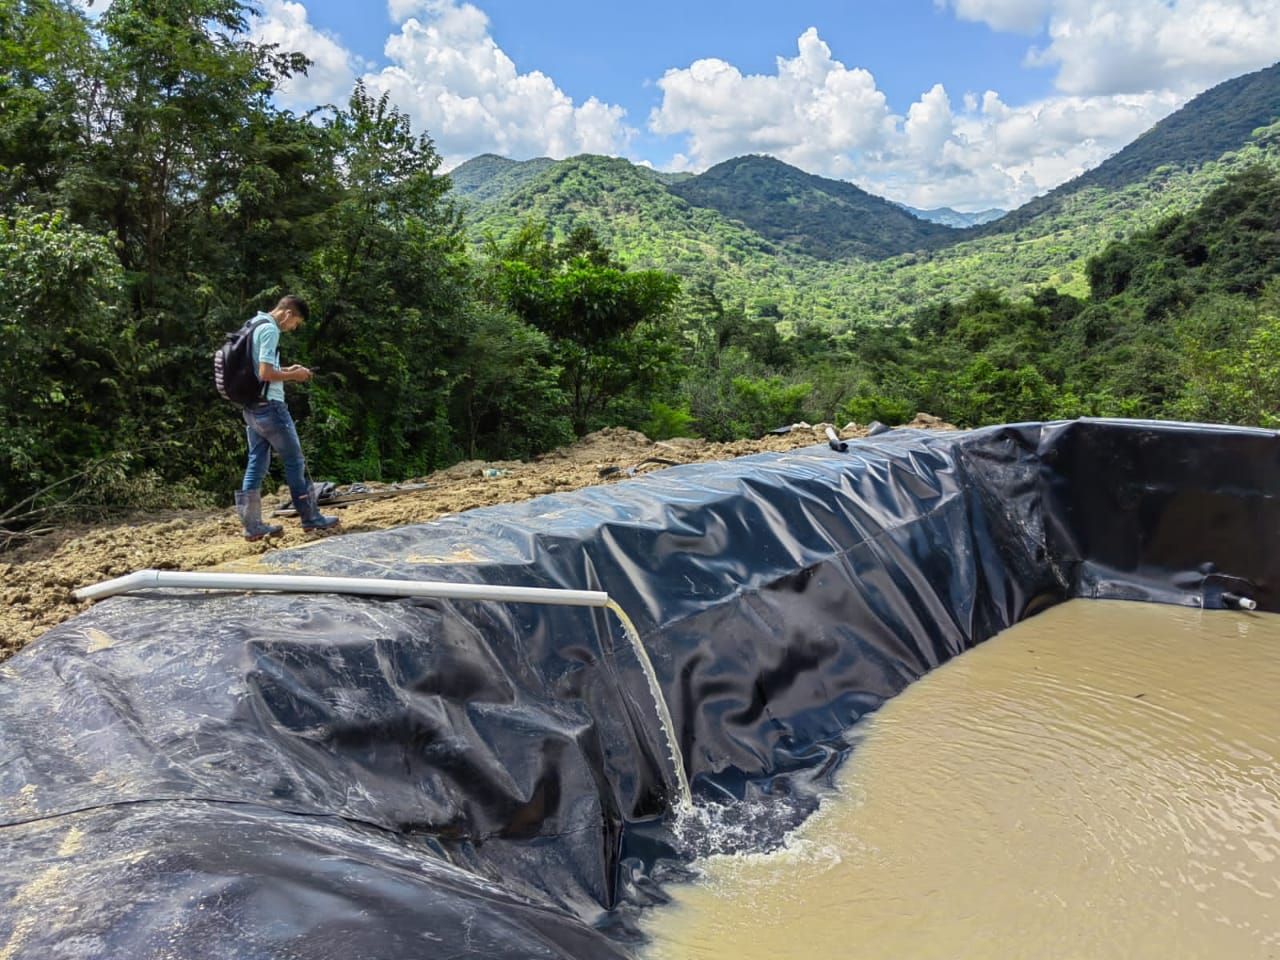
<point>1101,781</point>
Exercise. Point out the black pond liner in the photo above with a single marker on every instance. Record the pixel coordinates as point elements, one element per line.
<point>210,775</point>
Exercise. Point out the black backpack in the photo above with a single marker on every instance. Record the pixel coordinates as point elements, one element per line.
<point>233,368</point>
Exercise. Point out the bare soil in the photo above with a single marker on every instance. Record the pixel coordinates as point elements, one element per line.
<point>37,579</point>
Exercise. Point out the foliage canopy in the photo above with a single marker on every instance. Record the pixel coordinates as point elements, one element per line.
<point>153,196</point>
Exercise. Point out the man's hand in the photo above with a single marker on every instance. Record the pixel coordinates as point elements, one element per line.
<point>297,372</point>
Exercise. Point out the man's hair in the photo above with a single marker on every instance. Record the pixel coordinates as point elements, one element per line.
<point>296,304</point>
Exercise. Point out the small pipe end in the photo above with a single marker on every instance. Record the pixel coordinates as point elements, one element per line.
<point>109,588</point>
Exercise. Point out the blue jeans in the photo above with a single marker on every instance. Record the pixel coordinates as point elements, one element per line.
<point>268,426</point>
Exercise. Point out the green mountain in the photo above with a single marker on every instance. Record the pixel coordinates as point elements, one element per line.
<point>1213,123</point>
<point>1051,250</point>
<point>634,209</point>
<point>811,215</point>
<point>489,176</point>
<point>783,242</point>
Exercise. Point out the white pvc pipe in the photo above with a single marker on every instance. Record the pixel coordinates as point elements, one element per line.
<point>360,586</point>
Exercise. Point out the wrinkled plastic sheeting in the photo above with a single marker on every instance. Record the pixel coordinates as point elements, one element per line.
<point>189,879</point>
<point>1170,512</point>
<point>212,774</point>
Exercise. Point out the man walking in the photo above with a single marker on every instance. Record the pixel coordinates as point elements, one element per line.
<point>269,426</point>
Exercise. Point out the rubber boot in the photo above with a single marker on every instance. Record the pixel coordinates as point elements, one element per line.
<point>249,506</point>
<point>309,511</point>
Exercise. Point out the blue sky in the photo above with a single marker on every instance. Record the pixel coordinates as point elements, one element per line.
<point>610,52</point>
<point>966,103</point>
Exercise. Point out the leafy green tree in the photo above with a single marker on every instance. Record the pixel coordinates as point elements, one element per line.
<point>868,408</point>
<point>610,328</point>
<point>169,107</point>
<point>667,421</point>
<point>180,91</point>
<point>1230,361</point>
<point>736,399</point>
<point>389,282</point>
<point>46,59</point>
<point>761,404</point>
<point>507,390</point>
<point>711,326</point>
<point>63,351</point>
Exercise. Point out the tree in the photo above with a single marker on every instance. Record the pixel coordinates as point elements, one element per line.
<point>63,352</point>
<point>46,56</point>
<point>609,328</point>
<point>389,281</point>
<point>1229,364</point>
<point>507,392</point>
<point>162,113</point>
<point>179,96</point>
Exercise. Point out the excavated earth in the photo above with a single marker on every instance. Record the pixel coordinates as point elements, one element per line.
<point>38,578</point>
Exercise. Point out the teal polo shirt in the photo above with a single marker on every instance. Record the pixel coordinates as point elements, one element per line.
<point>266,349</point>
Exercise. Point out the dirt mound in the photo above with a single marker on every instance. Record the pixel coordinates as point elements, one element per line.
<point>38,578</point>
<point>603,446</point>
<point>926,421</point>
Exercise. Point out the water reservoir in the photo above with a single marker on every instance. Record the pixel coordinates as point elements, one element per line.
<point>205,774</point>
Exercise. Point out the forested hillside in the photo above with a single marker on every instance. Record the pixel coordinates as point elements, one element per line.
<point>1051,251</point>
<point>632,208</point>
<point>153,196</point>
<point>648,227</point>
<point>821,218</point>
<point>651,228</point>
<point>1181,321</point>
<point>488,176</point>
<point>1216,122</point>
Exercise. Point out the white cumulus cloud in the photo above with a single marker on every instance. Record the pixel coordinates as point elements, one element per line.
<point>814,112</point>
<point>1128,46</point>
<point>1019,16</point>
<point>331,75</point>
<point>402,10</point>
<point>930,125</point>
<point>455,82</point>
<point>998,155</point>
<point>1134,46</point>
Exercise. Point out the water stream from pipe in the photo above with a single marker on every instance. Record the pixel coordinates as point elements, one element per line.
<point>660,702</point>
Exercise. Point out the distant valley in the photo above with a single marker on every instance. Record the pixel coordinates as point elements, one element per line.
<point>956,218</point>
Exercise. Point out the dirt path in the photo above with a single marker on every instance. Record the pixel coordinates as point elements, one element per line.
<point>38,579</point>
